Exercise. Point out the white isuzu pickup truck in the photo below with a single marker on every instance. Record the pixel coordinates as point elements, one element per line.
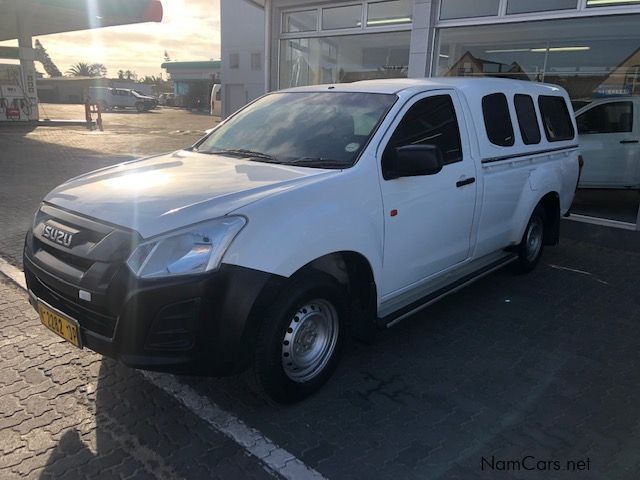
<point>310,214</point>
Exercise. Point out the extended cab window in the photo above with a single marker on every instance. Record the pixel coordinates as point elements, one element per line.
<point>431,121</point>
<point>527,119</point>
<point>497,120</point>
<point>555,118</point>
<point>615,117</point>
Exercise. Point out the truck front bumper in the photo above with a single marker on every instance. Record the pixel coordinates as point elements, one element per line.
<point>197,325</point>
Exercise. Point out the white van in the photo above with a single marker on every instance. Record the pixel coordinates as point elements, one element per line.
<point>310,214</point>
<point>216,100</point>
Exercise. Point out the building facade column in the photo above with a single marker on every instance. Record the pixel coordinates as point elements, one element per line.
<point>421,48</point>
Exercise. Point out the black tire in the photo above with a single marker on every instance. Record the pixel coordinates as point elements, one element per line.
<point>141,107</point>
<point>104,107</point>
<point>532,245</point>
<point>281,383</point>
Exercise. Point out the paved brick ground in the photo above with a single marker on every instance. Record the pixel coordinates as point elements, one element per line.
<point>69,414</point>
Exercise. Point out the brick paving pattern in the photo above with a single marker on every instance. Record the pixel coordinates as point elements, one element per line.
<point>69,414</point>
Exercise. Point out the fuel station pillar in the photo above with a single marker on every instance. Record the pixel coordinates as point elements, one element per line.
<point>27,57</point>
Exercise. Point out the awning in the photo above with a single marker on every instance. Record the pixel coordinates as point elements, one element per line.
<point>44,17</point>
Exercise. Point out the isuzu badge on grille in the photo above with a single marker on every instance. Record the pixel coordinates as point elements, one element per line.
<point>57,235</point>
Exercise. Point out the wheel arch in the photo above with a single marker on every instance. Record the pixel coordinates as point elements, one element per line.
<point>551,205</point>
<point>550,202</point>
<point>354,272</point>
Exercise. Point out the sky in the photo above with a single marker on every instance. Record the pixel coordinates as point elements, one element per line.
<point>190,30</point>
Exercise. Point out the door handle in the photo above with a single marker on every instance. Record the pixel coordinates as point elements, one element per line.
<point>629,141</point>
<point>466,181</point>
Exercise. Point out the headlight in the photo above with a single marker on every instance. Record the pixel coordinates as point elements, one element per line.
<point>195,249</point>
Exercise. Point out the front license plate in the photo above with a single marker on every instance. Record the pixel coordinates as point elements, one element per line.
<point>60,324</point>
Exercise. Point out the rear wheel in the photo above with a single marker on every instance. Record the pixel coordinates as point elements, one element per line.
<point>104,106</point>
<point>532,244</point>
<point>300,341</point>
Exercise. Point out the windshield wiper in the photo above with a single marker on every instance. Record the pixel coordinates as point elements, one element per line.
<point>241,152</point>
<point>318,162</point>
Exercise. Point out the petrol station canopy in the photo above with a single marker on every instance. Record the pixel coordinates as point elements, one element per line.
<point>43,17</point>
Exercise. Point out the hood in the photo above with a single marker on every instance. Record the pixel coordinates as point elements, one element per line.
<point>166,192</point>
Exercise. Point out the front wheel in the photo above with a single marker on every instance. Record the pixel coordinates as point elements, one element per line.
<point>532,244</point>
<point>300,340</point>
<point>140,107</point>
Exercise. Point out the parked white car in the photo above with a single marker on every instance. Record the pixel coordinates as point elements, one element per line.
<point>110,98</point>
<point>166,99</point>
<point>310,214</point>
<point>609,133</point>
<point>216,100</point>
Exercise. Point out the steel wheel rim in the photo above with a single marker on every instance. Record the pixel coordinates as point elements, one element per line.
<point>310,340</point>
<point>534,239</point>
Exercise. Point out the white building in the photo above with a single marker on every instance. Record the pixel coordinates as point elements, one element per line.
<point>243,46</point>
<point>589,46</point>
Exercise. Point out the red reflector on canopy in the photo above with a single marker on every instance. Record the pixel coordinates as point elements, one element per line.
<point>153,12</point>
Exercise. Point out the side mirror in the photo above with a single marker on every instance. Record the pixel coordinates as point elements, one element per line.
<point>412,161</point>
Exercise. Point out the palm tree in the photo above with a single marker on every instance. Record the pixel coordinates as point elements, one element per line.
<point>83,69</point>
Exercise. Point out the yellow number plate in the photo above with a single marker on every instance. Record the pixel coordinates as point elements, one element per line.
<point>59,324</point>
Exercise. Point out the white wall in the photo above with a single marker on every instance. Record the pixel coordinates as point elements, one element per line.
<point>242,33</point>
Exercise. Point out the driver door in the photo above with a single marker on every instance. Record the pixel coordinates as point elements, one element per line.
<point>428,219</point>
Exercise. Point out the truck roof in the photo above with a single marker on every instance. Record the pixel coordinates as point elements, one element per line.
<point>470,85</point>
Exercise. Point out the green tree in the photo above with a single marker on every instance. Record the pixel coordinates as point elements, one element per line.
<point>84,69</point>
<point>130,75</point>
<point>99,69</point>
<point>151,79</point>
<point>160,84</point>
<point>43,57</point>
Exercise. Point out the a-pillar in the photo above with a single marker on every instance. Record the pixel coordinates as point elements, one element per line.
<point>27,56</point>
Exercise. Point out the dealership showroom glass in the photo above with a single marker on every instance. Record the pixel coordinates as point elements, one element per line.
<point>589,47</point>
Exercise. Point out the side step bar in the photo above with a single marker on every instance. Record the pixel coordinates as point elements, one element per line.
<point>396,317</point>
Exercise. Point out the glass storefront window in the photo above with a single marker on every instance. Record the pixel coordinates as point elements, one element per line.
<point>346,58</point>
<point>306,21</point>
<point>597,60</point>
<point>610,3</point>
<point>342,17</point>
<point>527,6</point>
<point>451,9</point>
<point>395,12</point>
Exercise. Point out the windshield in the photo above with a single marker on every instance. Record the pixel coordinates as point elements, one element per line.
<point>315,129</point>
<point>137,94</point>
